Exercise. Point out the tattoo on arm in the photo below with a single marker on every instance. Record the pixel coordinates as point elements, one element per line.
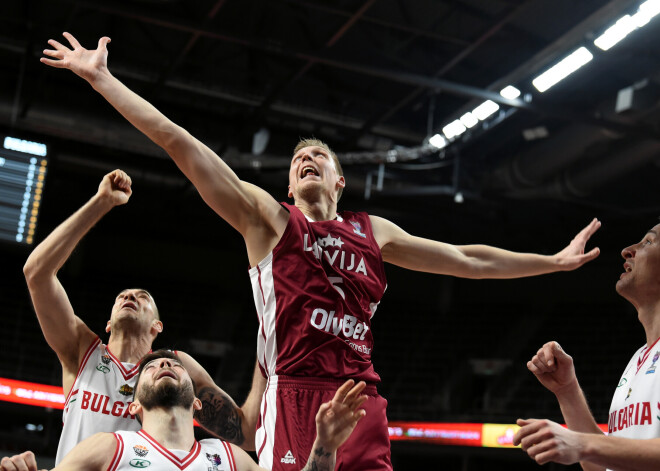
<point>219,415</point>
<point>320,460</point>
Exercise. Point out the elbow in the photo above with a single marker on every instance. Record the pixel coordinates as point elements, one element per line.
<point>34,272</point>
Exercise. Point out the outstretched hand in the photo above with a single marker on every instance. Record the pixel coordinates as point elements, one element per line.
<point>553,367</point>
<point>336,420</point>
<point>573,255</point>
<point>83,62</point>
<point>116,187</point>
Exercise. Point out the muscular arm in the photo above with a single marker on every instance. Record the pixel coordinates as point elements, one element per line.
<point>247,208</point>
<point>554,369</point>
<point>219,414</point>
<point>475,261</point>
<point>66,333</point>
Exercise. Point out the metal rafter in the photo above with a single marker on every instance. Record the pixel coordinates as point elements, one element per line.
<point>458,58</point>
<point>385,24</point>
<point>162,78</point>
<point>275,93</point>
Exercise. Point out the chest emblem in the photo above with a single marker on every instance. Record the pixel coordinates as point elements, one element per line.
<point>357,228</point>
<point>126,390</point>
<point>141,450</point>
<point>215,461</point>
<point>629,391</point>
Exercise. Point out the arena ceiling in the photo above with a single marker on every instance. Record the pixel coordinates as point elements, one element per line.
<point>374,78</point>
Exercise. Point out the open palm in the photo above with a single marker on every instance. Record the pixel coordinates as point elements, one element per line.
<point>83,62</point>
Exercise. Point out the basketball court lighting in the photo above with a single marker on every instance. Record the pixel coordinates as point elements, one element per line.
<point>615,33</point>
<point>453,129</point>
<point>510,92</point>
<point>469,120</point>
<point>438,141</point>
<point>563,69</point>
<point>485,109</point>
<point>646,12</point>
<point>28,147</point>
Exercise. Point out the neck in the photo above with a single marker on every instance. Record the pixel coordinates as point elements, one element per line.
<point>129,348</point>
<point>649,316</point>
<point>172,428</point>
<point>319,210</point>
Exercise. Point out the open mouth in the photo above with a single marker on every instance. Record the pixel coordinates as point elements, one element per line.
<point>129,304</point>
<point>308,170</point>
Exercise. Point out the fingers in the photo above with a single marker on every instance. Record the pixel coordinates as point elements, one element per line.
<point>343,390</point>
<point>121,179</point>
<point>73,41</point>
<point>23,462</point>
<point>355,391</point>
<point>591,228</point>
<point>103,42</point>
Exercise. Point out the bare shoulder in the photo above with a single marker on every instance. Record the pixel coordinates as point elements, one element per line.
<point>385,231</point>
<point>93,453</point>
<point>244,462</point>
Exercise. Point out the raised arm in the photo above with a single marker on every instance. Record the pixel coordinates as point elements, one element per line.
<point>476,261</point>
<point>554,369</point>
<point>335,421</point>
<point>219,414</point>
<point>66,333</point>
<point>249,209</point>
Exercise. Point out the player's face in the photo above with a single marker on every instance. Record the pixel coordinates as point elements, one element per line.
<point>640,281</point>
<point>164,382</point>
<point>313,168</point>
<point>133,305</point>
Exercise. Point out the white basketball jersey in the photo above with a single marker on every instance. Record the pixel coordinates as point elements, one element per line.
<point>99,398</point>
<point>635,410</point>
<point>141,450</point>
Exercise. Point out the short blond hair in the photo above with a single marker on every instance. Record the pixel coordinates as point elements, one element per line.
<point>311,141</point>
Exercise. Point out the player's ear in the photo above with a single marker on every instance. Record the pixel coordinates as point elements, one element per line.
<point>157,326</point>
<point>341,182</point>
<point>197,404</point>
<point>290,192</point>
<point>135,408</point>
<point>107,327</point>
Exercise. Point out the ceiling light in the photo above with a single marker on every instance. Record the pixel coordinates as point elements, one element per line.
<point>510,92</point>
<point>438,141</point>
<point>616,33</point>
<point>469,120</point>
<point>563,69</point>
<point>647,10</point>
<point>485,109</point>
<point>453,129</point>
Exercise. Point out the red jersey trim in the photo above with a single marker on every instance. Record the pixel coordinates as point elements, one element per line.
<point>119,451</point>
<point>645,355</point>
<point>88,353</point>
<point>230,454</point>
<point>127,374</point>
<point>179,463</point>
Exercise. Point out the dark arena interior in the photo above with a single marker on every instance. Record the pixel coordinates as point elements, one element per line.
<point>375,79</point>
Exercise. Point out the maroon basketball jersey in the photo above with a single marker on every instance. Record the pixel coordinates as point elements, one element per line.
<point>315,294</point>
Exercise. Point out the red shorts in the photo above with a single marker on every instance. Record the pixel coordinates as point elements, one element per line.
<point>287,426</point>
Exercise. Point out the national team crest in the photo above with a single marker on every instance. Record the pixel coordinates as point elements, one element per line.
<point>126,390</point>
<point>357,228</point>
<point>105,359</point>
<point>215,461</point>
<point>141,450</point>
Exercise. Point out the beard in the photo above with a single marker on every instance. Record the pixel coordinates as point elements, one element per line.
<point>167,395</point>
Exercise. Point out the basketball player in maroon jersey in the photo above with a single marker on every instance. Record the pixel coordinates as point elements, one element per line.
<point>317,274</point>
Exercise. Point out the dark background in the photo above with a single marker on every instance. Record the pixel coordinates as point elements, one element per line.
<point>368,77</point>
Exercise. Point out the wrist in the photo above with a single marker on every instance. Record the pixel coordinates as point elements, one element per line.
<point>568,391</point>
<point>102,202</point>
